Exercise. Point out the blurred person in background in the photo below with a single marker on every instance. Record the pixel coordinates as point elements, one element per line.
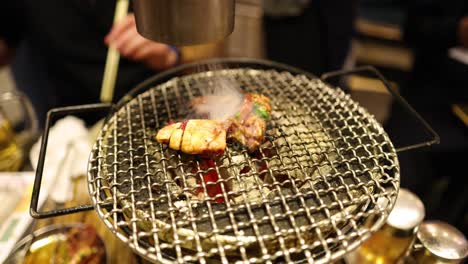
<point>314,35</point>
<point>437,82</point>
<point>57,50</point>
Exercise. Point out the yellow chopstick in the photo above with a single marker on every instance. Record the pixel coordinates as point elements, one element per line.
<point>113,57</point>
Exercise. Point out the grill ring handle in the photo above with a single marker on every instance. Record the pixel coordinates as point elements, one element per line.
<point>53,113</point>
<point>435,139</point>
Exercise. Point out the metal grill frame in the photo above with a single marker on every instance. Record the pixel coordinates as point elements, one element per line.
<point>115,222</point>
<point>183,70</point>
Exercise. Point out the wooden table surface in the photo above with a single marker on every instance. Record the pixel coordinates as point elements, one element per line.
<point>117,251</point>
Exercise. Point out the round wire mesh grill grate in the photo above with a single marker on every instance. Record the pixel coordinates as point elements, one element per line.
<point>325,179</point>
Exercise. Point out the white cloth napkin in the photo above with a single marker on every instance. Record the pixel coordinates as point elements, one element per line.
<point>67,154</point>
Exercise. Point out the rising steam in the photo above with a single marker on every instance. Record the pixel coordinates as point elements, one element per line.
<point>221,97</point>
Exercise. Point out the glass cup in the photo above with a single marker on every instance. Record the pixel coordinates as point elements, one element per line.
<point>18,125</point>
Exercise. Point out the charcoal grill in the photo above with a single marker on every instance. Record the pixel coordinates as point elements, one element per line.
<point>333,172</point>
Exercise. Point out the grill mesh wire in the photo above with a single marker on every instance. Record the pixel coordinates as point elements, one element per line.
<point>333,177</point>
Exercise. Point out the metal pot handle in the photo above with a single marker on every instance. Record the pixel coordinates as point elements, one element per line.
<point>51,115</point>
<point>435,139</point>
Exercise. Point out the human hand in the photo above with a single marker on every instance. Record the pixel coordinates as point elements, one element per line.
<point>463,32</point>
<point>130,44</point>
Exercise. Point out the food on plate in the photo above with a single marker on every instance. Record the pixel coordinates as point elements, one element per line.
<point>248,126</point>
<point>79,245</point>
<point>195,136</point>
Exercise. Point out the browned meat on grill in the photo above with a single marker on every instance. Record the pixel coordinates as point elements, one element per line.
<point>248,126</point>
<point>195,136</point>
<point>247,123</point>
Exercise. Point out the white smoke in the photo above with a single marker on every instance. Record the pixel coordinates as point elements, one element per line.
<point>222,98</point>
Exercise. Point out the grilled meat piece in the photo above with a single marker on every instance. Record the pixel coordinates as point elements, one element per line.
<point>247,122</point>
<point>248,126</point>
<point>208,137</point>
<point>195,136</point>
